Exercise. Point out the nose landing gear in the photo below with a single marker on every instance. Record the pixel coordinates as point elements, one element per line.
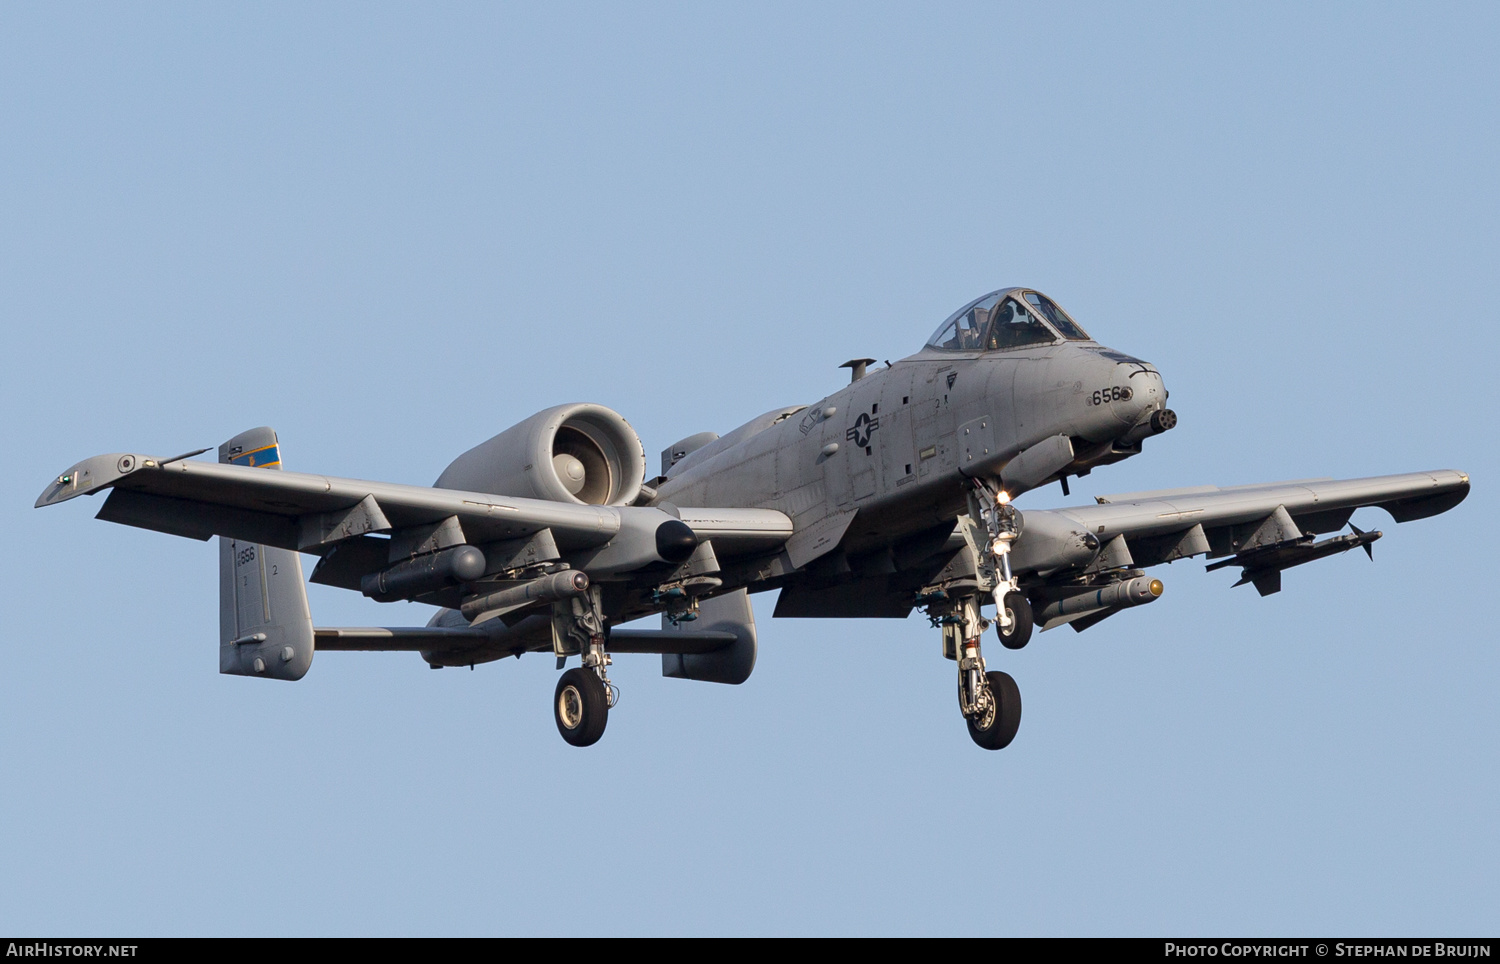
<point>989,700</point>
<point>994,528</point>
<point>1016,611</point>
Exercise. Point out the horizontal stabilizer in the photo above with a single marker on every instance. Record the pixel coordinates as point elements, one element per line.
<point>396,639</point>
<point>663,642</point>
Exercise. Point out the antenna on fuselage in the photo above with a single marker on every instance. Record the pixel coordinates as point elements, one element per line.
<point>857,368</point>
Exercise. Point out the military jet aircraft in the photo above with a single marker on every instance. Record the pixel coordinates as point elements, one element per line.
<point>893,493</point>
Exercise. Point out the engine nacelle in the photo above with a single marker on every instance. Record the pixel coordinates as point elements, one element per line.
<point>577,453</point>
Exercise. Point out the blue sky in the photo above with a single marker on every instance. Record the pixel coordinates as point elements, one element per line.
<point>391,232</point>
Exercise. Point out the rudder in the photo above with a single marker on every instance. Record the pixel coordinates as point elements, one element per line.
<point>265,625</point>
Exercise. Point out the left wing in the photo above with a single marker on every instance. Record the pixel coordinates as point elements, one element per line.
<point>1263,529</point>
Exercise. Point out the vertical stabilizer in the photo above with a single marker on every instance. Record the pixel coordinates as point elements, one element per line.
<point>265,627</point>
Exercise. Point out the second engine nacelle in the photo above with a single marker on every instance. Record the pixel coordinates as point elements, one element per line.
<point>579,453</point>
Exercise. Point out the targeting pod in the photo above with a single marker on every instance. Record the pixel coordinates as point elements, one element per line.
<point>1116,595</point>
<point>424,574</point>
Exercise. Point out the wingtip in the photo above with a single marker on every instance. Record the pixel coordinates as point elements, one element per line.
<point>91,475</point>
<point>60,489</point>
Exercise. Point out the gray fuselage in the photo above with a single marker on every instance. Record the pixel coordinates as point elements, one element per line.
<point>896,444</point>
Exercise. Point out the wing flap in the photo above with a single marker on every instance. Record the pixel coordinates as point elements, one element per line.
<point>197,520</point>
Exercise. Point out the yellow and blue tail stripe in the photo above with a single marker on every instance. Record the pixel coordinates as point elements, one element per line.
<point>262,458</point>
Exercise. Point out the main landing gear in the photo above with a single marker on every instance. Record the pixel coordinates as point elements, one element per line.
<point>584,695</point>
<point>998,725</point>
<point>989,700</point>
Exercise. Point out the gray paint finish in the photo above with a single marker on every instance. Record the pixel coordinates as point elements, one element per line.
<point>866,503</point>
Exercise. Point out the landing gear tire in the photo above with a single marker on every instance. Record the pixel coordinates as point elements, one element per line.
<point>581,706</point>
<point>997,728</point>
<point>1019,633</point>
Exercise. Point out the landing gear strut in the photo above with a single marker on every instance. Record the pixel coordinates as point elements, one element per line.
<point>989,700</point>
<point>995,526</point>
<point>584,694</point>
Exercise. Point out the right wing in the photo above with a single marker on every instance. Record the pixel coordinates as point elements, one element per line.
<point>300,511</point>
<point>317,513</point>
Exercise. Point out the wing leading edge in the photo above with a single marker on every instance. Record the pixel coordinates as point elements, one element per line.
<point>1263,528</point>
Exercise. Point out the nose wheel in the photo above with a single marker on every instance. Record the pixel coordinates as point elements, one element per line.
<point>1014,629</point>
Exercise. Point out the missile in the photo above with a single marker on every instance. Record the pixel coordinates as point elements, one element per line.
<point>559,585</point>
<point>1263,566</point>
<point>1116,595</point>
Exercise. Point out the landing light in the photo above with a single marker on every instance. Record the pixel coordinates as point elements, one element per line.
<point>1003,498</point>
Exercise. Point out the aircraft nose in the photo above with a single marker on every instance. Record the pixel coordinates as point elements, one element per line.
<point>1129,390</point>
<point>1142,406</point>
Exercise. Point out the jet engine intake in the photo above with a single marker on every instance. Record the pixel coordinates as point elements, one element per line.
<point>578,453</point>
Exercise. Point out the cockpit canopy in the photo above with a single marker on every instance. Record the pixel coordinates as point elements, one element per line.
<point>1005,319</point>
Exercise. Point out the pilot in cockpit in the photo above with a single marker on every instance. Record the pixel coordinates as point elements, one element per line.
<point>1001,321</point>
<point>1015,326</point>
